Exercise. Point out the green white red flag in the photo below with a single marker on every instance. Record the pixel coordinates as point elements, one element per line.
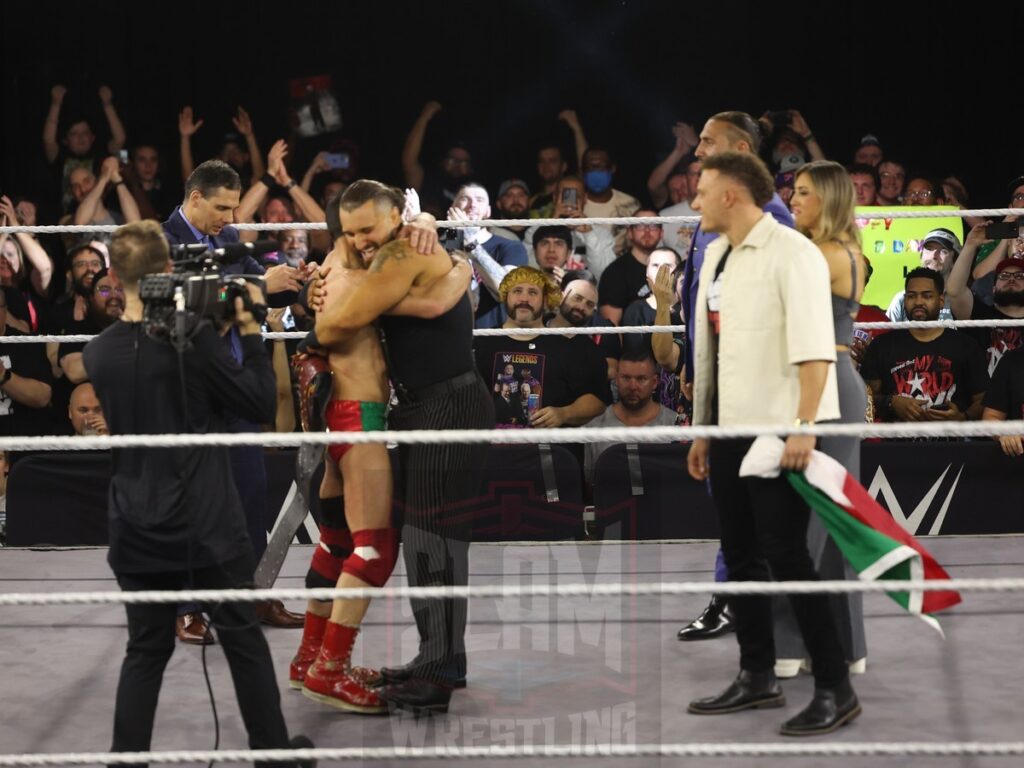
<point>874,544</point>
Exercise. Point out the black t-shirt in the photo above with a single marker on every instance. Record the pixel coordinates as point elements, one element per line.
<point>609,343</point>
<point>995,341</point>
<point>948,368</point>
<point>28,361</point>
<point>524,376</point>
<point>621,282</point>
<point>173,506</point>
<point>1006,392</point>
<point>642,313</point>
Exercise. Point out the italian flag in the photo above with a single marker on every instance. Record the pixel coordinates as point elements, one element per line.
<point>874,544</point>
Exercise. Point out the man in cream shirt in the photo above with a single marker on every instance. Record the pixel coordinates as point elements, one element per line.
<point>765,353</point>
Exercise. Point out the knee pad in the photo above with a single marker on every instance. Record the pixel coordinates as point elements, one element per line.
<point>334,548</point>
<point>374,556</point>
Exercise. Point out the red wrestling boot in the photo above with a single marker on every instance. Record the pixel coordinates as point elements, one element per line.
<point>312,639</point>
<point>330,679</point>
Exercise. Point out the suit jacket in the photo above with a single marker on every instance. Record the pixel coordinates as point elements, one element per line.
<point>178,232</point>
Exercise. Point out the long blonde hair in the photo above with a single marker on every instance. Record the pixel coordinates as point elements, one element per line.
<point>835,188</point>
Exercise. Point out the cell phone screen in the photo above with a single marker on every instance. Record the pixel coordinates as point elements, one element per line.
<point>570,197</point>
<point>338,160</point>
<point>1002,230</point>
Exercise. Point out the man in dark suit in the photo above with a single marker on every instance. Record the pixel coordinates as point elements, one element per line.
<point>212,194</point>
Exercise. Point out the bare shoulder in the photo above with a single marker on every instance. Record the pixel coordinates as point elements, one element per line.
<point>391,254</point>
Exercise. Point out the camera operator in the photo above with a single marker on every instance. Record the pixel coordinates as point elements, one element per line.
<point>175,519</point>
<point>211,197</point>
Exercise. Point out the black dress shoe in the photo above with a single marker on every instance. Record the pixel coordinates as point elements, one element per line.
<point>750,690</point>
<point>829,709</point>
<point>714,622</point>
<point>414,669</point>
<point>421,697</point>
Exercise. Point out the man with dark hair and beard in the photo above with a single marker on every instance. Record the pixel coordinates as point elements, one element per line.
<point>636,379</point>
<point>105,304</point>
<point>577,310</point>
<point>430,364</point>
<point>1007,299</point>
<point>925,374</point>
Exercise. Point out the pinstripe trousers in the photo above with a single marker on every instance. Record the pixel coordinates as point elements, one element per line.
<point>436,486</point>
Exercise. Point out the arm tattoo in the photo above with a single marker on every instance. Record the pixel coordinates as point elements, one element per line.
<point>396,249</point>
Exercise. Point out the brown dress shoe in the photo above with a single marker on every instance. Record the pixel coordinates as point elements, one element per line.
<point>192,628</point>
<point>274,614</point>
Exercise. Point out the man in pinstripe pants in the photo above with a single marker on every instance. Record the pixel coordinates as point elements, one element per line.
<point>434,375</point>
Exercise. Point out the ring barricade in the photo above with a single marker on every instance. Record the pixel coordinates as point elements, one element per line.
<point>456,224</point>
<point>753,749</point>
<point>493,591</point>
<point>584,331</point>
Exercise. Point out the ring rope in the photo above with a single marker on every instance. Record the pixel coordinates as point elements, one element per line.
<point>504,591</point>
<point>754,749</point>
<point>456,224</point>
<point>667,434</point>
<point>584,331</point>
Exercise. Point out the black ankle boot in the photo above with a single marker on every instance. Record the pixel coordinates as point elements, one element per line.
<point>750,690</point>
<point>829,709</point>
<point>714,622</point>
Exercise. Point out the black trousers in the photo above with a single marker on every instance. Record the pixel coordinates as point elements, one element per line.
<point>151,641</point>
<point>764,536</point>
<point>435,484</point>
<point>250,474</point>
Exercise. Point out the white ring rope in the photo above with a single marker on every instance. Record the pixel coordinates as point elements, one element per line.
<point>551,435</point>
<point>505,591</point>
<point>584,331</point>
<point>496,751</point>
<point>605,220</point>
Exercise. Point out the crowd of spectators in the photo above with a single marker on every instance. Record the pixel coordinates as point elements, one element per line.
<point>523,276</point>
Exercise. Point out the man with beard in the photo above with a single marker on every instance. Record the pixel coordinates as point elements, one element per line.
<point>84,261</point>
<point>636,379</point>
<point>513,202</point>
<point>579,300</point>
<point>294,247</point>
<point>623,279</point>
<point>940,248</point>
<point>927,374</point>
<point>567,376</point>
<point>1007,300</point>
<point>358,545</point>
<point>106,303</point>
<point>430,364</point>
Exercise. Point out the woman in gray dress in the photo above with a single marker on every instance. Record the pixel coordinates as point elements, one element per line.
<point>823,206</point>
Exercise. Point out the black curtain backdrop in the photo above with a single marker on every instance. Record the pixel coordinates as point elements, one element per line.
<point>931,79</point>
